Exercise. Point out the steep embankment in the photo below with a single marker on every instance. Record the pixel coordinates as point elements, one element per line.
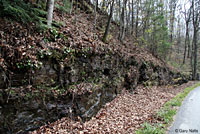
<point>72,63</point>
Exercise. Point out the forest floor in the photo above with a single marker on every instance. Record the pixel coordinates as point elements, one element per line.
<point>20,43</point>
<point>124,115</point>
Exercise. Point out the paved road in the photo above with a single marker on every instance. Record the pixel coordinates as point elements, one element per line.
<point>187,120</point>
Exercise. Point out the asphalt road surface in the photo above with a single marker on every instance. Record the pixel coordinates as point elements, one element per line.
<point>187,120</point>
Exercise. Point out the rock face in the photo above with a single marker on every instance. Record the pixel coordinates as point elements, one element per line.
<point>94,79</point>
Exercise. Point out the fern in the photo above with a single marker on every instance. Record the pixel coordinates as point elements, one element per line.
<point>65,8</point>
<point>21,11</point>
<point>39,12</point>
<point>18,13</point>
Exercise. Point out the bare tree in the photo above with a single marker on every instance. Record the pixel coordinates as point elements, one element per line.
<point>109,21</point>
<point>137,18</point>
<point>187,18</point>
<point>50,4</point>
<point>95,13</point>
<point>128,17</point>
<point>195,21</point>
<point>71,6</point>
<point>133,16</point>
<point>172,7</point>
<point>122,21</point>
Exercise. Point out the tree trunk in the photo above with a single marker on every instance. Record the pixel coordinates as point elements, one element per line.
<point>122,22</point>
<point>194,76</point>
<point>95,13</point>
<point>137,19</point>
<point>186,41</point>
<point>132,22</point>
<point>119,12</point>
<point>103,5</point>
<point>189,51</point>
<point>50,12</point>
<point>71,8</point>
<point>108,23</point>
<point>128,18</point>
<point>195,19</point>
<point>173,4</point>
<point>191,59</point>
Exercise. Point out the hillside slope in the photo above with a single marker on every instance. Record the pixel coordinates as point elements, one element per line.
<point>70,62</point>
<point>23,47</point>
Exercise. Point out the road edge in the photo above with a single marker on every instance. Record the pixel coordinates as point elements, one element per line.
<point>166,114</point>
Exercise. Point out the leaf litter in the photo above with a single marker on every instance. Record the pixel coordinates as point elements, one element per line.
<point>124,115</point>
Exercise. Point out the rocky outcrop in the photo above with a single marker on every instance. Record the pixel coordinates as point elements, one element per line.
<point>88,81</point>
<point>106,73</point>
